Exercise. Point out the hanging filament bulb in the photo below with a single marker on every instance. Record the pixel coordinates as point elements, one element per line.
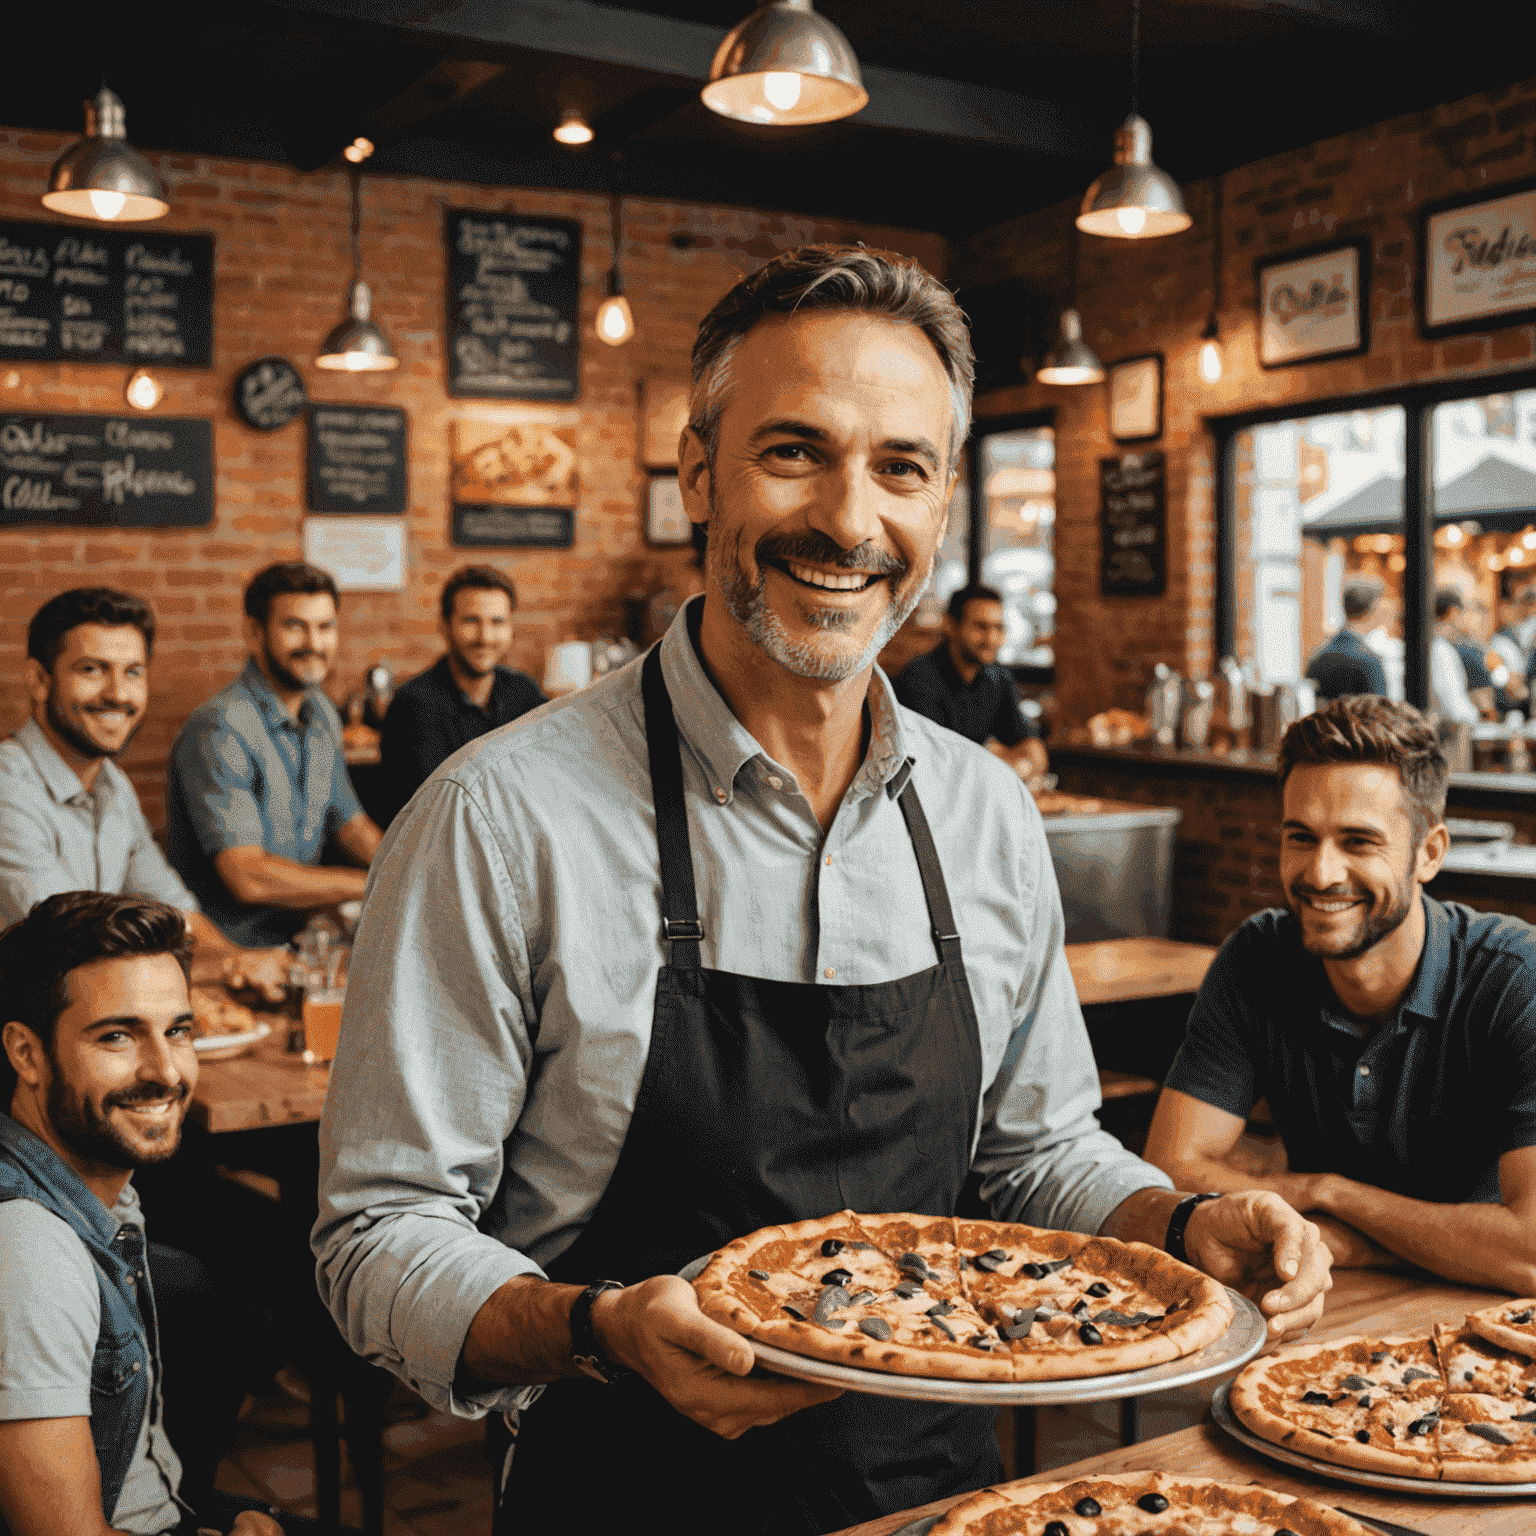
<point>615,319</point>
<point>143,392</point>
<point>1131,220</point>
<point>1210,361</point>
<point>107,205</point>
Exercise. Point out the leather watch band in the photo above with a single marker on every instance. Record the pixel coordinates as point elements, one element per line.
<point>586,1353</point>
<point>1174,1241</point>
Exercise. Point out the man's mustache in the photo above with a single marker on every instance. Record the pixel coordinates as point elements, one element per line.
<point>149,1093</point>
<point>1330,894</point>
<point>109,707</point>
<point>818,549</point>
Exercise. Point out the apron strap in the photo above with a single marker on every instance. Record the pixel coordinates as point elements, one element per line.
<point>680,926</point>
<point>945,937</point>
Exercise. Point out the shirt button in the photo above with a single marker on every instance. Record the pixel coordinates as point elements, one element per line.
<point>829,973</point>
<point>829,861</point>
<point>719,794</point>
<point>775,782</point>
<point>1365,1071</point>
<point>135,1365</point>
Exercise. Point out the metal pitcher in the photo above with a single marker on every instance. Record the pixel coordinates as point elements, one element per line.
<point>1273,708</point>
<point>1199,709</point>
<point>1163,700</point>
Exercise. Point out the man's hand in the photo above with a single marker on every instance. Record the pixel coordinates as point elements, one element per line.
<point>1251,1238</point>
<point>264,970</point>
<point>698,1365</point>
<point>251,1522</point>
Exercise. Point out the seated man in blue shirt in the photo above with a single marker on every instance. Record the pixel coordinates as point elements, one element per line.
<point>466,693</point>
<point>96,1071</point>
<point>1393,1036</point>
<point>960,685</point>
<point>1346,664</point>
<point>258,784</point>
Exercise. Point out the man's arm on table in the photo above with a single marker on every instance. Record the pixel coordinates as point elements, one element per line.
<point>359,838</point>
<point>262,879</point>
<point>428,1085</point>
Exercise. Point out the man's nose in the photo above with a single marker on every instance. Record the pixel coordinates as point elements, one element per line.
<point>846,506</point>
<point>157,1063</point>
<point>1328,867</point>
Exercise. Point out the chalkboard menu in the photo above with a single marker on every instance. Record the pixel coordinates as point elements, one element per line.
<point>105,296</point>
<point>502,527</point>
<point>514,306</point>
<point>106,471</point>
<point>1134,524</point>
<point>269,394</point>
<point>356,459</point>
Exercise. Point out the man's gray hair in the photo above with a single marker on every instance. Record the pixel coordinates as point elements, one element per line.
<point>832,277</point>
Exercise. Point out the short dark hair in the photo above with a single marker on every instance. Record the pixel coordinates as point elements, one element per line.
<point>85,605</point>
<point>1446,600</point>
<point>476,578</point>
<point>63,933</point>
<point>832,277</point>
<point>1364,728</point>
<point>285,576</point>
<point>974,593</point>
<point>1361,594</point>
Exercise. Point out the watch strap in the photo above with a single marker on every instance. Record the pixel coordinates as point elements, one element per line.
<point>586,1352</point>
<point>1173,1243</point>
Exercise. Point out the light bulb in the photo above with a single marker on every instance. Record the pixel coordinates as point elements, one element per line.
<point>356,362</point>
<point>1453,535</point>
<point>107,205</point>
<point>615,322</point>
<point>1210,362</point>
<point>782,88</point>
<point>1516,556</point>
<point>143,392</point>
<point>1131,220</point>
<point>1528,538</point>
<point>573,129</point>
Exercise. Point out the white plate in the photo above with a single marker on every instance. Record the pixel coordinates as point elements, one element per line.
<point>1239,1431</point>
<point>215,1047</point>
<point>1238,1345</point>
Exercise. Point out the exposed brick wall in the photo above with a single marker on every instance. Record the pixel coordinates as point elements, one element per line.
<point>1154,295</point>
<point>281,271</point>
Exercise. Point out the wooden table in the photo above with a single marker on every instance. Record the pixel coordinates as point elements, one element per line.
<point>1134,970</point>
<point>1362,1301</point>
<point>267,1086</point>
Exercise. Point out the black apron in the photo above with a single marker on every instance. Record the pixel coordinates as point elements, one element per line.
<point>763,1102</point>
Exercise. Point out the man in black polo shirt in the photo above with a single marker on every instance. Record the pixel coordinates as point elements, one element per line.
<point>960,685</point>
<point>1346,664</point>
<point>466,693</point>
<point>1393,1036</point>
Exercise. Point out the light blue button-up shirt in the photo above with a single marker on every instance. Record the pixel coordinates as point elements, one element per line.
<point>499,1005</point>
<point>247,774</point>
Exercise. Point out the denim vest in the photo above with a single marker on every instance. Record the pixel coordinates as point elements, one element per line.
<point>123,1369</point>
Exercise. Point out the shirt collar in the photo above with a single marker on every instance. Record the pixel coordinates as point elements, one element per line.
<point>55,1175</point>
<point>1427,997</point>
<point>62,782</point>
<point>725,746</point>
<point>450,685</point>
<point>273,711</point>
<point>948,671</point>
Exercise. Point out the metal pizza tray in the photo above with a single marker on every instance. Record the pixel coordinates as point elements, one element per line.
<point>918,1527</point>
<point>1427,1486</point>
<point>1243,1339</point>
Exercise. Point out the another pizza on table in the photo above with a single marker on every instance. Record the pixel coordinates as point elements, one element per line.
<point>959,1299</point>
<point>1141,1504</point>
<point>1455,1407</point>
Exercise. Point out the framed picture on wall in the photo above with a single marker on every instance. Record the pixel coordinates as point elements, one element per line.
<point>664,414</point>
<point>1136,398</point>
<point>665,521</point>
<point>1314,304</point>
<point>1478,261</point>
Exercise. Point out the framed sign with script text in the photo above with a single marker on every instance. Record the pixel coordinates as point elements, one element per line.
<point>1315,304</point>
<point>1478,259</point>
<point>1133,525</point>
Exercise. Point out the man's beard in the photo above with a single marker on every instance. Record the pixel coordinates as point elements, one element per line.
<point>969,657</point>
<point>1377,924</point>
<point>748,604</point>
<point>278,671</point>
<point>469,668</point>
<point>78,741</point>
<point>78,1125</point>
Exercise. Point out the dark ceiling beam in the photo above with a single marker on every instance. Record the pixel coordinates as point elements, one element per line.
<point>580,29</point>
<point>1337,15</point>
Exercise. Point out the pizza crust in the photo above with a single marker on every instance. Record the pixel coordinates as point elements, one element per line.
<point>1498,1325</point>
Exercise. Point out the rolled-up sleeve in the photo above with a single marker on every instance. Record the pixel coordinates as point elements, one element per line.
<point>1043,1158</point>
<point>216,780</point>
<point>429,1080</point>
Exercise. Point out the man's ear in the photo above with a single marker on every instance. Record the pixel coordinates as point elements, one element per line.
<point>253,632</point>
<point>25,1052</point>
<point>39,680</point>
<point>1432,852</point>
<point>693,477</point>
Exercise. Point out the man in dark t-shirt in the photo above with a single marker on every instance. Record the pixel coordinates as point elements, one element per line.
<point>960,685</point>
<point>1392,1036</point>
<point>466,693</point>
<point>1346,664</point>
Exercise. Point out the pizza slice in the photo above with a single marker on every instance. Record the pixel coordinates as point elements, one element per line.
<point>1486,1439</point>
<point>922,1247</point>
<point>1469,1363</point>
<point>1511,1325</point>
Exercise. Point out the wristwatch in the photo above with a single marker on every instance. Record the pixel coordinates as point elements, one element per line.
<point>1174,1241</point>
<point>586,1352</point>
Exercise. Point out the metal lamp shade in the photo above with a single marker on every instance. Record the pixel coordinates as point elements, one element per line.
<point>358,345</point>
<point>785,64</point>
<point>1071,360</point>
<point>102,176</point>
<point>1133,200</point>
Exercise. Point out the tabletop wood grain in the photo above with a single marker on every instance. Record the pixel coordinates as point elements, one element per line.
<point>266,1086</point>
<point>1363,1301</point>
<point>1132,970</point>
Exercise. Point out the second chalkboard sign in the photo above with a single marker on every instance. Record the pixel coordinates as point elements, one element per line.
<point>1134,533</point>
<point>356,459</point>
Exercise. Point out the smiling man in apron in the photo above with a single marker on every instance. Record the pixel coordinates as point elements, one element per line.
<point>727,939</point>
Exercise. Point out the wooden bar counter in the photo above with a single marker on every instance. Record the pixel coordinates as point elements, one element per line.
<point>1362,1301</point>
<point>267,1086</point>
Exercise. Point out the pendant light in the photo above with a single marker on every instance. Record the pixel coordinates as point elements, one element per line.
<point>357,345</point>
<point>615,319</point>
<point>572,128</point>
<point>1071,360</point>
<point>785,64</point>
<point>1210,337</point>
<point>1133,200</point>
<point>103,176</point>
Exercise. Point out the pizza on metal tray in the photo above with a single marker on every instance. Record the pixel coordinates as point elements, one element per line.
<point>957,1299</point>
<point>1141,1504</point>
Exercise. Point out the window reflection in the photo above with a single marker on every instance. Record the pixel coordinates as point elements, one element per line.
<point>1017,472</point>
